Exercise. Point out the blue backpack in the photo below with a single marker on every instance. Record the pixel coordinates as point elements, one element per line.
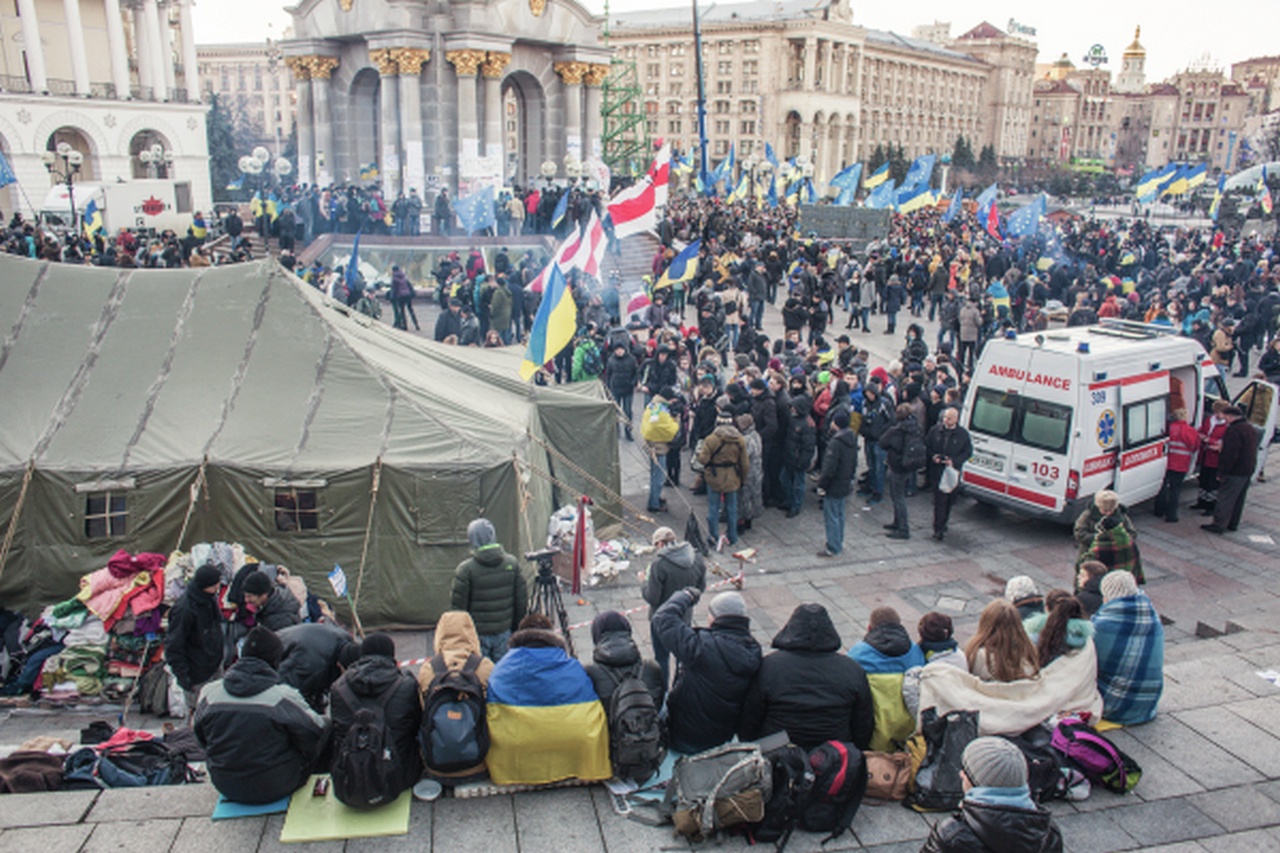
<point>454,736</point>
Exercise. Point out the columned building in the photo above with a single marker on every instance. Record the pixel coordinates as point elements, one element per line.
<point>111,78</point>
<point>417,90</point>
<point>251,78</point>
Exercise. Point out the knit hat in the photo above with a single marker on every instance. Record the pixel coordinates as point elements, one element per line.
<point>1118,584</point>
<point>840,419</point>
<point>883,616</point>
<point>1020,587</point>
<point>206,576</point>
<point>935,627</point>
<point>609,622</point>
<point>993,762</point>
<point>663,534</point>
<point>481,533</point>
<point>257,583</point>
<point>728,604</point>
<point>263,644</point>
<point>379,644</point>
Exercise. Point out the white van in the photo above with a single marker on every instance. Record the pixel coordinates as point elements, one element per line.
<point>1058,416</point>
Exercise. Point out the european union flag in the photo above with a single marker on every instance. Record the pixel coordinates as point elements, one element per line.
<point>352,273</point>
<point>985,200</point>
<point>6,172</point>
<point>1025,221</point>
<point>920,172</point>
<point>953,209</point>
<point>475,211</point>
<point>845,198</point>
<point>847,178</point>
<point>773,190</point>
<point>881,197</point>
<point>770,156</point>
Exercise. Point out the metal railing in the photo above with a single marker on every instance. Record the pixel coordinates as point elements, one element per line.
<point>61,87</point>
<point>102,90</point>
<point>142,93</point>
<point>14,83</point>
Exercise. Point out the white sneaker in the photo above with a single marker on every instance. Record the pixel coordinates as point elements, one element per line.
<point>721,542</point>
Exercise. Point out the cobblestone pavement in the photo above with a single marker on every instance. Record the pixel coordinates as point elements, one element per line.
<point>1211,760</point>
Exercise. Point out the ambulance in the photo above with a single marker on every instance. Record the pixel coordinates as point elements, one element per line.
<point>1058,416</point>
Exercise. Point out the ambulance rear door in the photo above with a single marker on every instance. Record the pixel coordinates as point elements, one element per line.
<point>1039,468</point>
<point>1258,401</point>
<point>1143,435</point>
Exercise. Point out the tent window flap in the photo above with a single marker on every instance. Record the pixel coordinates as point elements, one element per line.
<point>297,510</point>
<point>105,514</point>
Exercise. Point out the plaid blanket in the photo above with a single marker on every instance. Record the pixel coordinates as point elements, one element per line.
<point>1116,548</point>
<point>1130,643</point>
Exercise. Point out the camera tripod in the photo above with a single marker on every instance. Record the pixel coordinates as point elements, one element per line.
<point>546,598</point>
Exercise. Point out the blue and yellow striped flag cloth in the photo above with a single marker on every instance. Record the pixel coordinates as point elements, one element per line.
<point>554,325</point>
<point>740,191</point>
<point>878,177</point>
<point>1217,198</point>
<point>683,267</point>
<point>92,219</point>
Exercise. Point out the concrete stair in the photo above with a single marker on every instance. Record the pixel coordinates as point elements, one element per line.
<point>635,259</point>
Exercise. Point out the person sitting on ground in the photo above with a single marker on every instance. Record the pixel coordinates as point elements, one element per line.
<point>261,738</point>
<point>938,645</point>
<point>546,723</point>
<point>315,654</point>
<point>715,667</point>
<point>1129,638</point>
<point>456,641</point>
<point>375,680</point>
<point>675,565</point>
<point>997,812</point>
<point>271,605</point>
<point>1001,650</point>
<point>807,689</point>
<point>1089,585</point>
<point>194,645</point>
<point>1062,628</point>
<point>616,656</point>
<point>885,654</point>
<point>491,587</point>
<point>1022,592</point>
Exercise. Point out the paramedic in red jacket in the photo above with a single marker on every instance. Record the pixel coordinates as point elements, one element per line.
<point>1184,443</point>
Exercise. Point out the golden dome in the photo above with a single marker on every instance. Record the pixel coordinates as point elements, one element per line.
<point>1136,49</point>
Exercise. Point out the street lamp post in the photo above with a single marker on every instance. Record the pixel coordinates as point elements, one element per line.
<point>72,160</point>
<point>153,157</point>
<point>548,170</point>
<point>258,165</point>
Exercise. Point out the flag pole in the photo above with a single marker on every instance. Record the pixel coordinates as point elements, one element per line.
<point>702,100</point>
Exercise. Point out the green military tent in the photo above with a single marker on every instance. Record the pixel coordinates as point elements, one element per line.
<point>154,409</point>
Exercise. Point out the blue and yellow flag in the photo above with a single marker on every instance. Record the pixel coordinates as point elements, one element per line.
<point>683,267</point>
<point>772,197</point>
<point>953,209</point>
<point>810,194</point>
<point>1153,183</point>
<point>682,165</point>
<point>1264,192</point>
<point>792,195</point>
<point>273,205</point>
<point>878,177</point>
<point>369,172</point>
<point>562,207</point>
<point>255,205</point>
<point>1197,175</point>
<point>92,219</point>
<point>1217,197</point>
<point>912,199</point>
<point>545,721</point>
<point>881,197</point>
<point>554,325</point>
<point>1177,184</point>
<point>740,191</point>
<point>199,228</point>
<point>351,275</point>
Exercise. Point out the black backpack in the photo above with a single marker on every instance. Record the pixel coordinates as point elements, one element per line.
<point>792,788</point>
<point>1044,763</point>
<point>914,453</point>
<point>455,728</point>
<point>637,742</point>
<point>839,781</point>
<point>366,769</point>
<point>591,363</point>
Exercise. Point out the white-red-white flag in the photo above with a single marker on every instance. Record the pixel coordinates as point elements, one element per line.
<point>633,209</point>
<point>660,174</point>
<point>563,256</point>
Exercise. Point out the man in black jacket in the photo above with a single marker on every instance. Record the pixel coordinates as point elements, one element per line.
<point>491,587</point>
<point>260,737</point>
<point>808,689</point>
<point>677,566</point>
<point>193,643</point>
<point>877,418</point>
<point>315,654</point>
<point>375,679</point>
<point>797,453</point>
<point>620,374</point>
<point>717,665</point>
<point>1237,462</point>
<point>272,605</point>
<point>894,443</point>
<point>836,481</point>
<point>774,493</point>
<point>949,446</point>
<point>659,372</point>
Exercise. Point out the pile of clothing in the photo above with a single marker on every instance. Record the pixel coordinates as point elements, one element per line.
<point>96,644</point>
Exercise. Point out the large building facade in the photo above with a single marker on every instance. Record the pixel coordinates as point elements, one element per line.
<point>804,77</point>
<point>253,80</point>
<point>109,79</point>
<point>418,90</point>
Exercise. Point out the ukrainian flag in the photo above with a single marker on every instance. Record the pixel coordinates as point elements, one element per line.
<point>914,199</point>
<point>546,723</point>
<point>792,194</point>
<point>273,206</point>
<point>1150,184</point>
<point>683,267</point>
<point>1217,198</point>
<point>884,677</point>
<point>255,205</point>
<point>369,172</point>
<point>878,177</point>
<point>562,207</point>
<point>92,219</point>
<point>740,191</point>
<point>1178,184</point>
<point>1197,176</point>
<point>554,325</point>
<point>199,228</point>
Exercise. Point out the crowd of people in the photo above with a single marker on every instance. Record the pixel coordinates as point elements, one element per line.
<point>502,697</point>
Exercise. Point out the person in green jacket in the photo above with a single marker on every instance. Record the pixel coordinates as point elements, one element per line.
<point>588,363</point>
<point>500,310</point>
<point>491,587</point>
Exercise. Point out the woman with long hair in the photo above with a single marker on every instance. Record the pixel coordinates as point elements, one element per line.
<point>1001,649</point>
<point>1065,628</point>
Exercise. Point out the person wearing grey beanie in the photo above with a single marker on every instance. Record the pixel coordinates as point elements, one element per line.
<point>491,586</point>
<point>997,812</point>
